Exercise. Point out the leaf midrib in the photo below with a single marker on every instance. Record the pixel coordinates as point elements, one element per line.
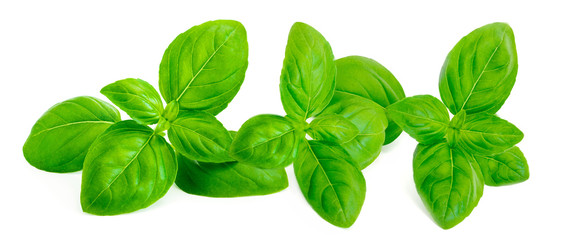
<point>70,124</point>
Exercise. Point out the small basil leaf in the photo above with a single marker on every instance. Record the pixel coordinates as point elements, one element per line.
<point>330,182</point>
<point>200,136</point>
<point>369,79</point>
<point>488,134</point>
<point>508,167</point>
<point>333,128</point>
<point>266,141</point>
<point>369,118</point>
<point>480,71</point>
<point>137,98</point>
<point>127,168</point>
<point>423,117</point>
<point>308,75</point>
<point>59,140</point>
<point>204,67</point>
<point>448,181</point>
<point>454,125</point>
<point>230,179</point>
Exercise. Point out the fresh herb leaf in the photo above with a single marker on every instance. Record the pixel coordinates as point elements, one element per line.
<point>137,98</point>
<point>127,168</point>
<point>331,183</point>
<point>60,139</point>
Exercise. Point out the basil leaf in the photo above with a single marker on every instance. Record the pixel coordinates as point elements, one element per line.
<point>479,72</point>
<point>333,128</point>
<point>508,167</point>
<point>59,140</point>
<point>448,181</point>
<point>423,117</point>
<point>369,79</point>
<point>199,135</point>
<point>330,182</point>
<point>266,141</point>
<point>204,67</point>
<point>369,118</point>
<point>127,168</point>
<point>137,98</point>
<point>488,134</point>
<point>230,179</point>
<point>308,75</point>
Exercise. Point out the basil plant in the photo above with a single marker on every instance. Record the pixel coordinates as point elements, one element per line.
<point>127,165</point>
<point>329,101</point>
<point>456,157</point>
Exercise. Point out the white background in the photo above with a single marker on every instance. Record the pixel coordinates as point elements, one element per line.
<point>51,51</point>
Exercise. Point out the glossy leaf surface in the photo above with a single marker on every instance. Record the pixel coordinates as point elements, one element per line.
<point>127,168</point>
<point>333,128</point>
<point>307,81</point>
<point>508,167</point>
<point>59,140</point>
<point>423,117</point>
<point>331,183</point>
<point>371,121</point>
<point>267,141</point>
<point>200,136</point>
<point>488,134</point>
<point>448,181</point>
<point>229,179</point>
<point>137,98</point>
<point>480,71</point>
<point>369,79</point>
<point>204,67</point>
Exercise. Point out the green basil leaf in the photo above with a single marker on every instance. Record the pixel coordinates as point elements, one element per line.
<point>204,67</point>
<point>229,179</point>
<point>333,128</point>
<point>371,121</point>
<point>137,98</point>
<point>127,168</point>
<point>480,71</point>
<point>369,79</point>
<point>448,181</point>
<point>508,167</point>
<point>488,134</point>
<point>330,182</point>
<point>266,141</point>
<point>423,117</point>
<point>200,136</point>
<point>60,139</point>
<point>308,74</point>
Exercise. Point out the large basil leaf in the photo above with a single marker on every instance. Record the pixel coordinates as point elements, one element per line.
<point>367,78</point>
<point>308,75</point>
<point>369,118</point>
<point>127,168</point>
<point>230,179</point>
<point>60,139</point>
<point>488,134</point>
<point>333,128</point>
<point>200,136</point>
<point>448,181</point>
<point>480,71</point>
<point>331,183</point>
<point>137,98</point>
<point>267,141</point>
<point>505,168</point>
<point>204,67</point>
<point>423,117</point>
